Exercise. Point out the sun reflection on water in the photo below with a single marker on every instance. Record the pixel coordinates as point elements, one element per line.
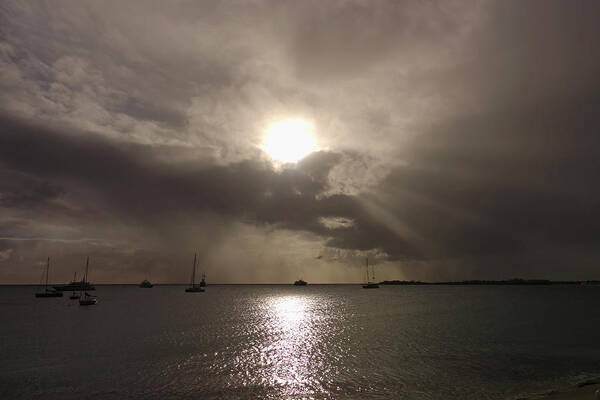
<point>291,311</point>
<point>291,352</point>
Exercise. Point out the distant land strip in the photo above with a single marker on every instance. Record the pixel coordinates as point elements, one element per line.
<point>515,281</point>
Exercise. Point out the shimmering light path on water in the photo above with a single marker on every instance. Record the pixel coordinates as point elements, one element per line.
<point>286,342</point>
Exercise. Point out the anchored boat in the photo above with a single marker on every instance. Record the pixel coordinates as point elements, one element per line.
<point>75,286</point>
<point>86,298</point>
<point>370,284</point>
<point>146,284</point>
<point>194,287</point>
<point>48,292</point>
<point>74,295</point>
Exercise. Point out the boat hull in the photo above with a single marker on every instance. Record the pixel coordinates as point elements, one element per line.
<point>371,286</point>
<point>49,294</point>
<point>88,302</point>
<point>73,287</point>
<point>194,290</point>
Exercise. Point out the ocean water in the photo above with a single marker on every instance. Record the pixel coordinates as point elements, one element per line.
<point>286,342</point>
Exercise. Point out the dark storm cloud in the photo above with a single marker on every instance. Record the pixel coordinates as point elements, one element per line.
<point>20,190</point>
<point>128,182</point>
<point>529,176</point>
<point>511,179</point>
<point>86,193</point>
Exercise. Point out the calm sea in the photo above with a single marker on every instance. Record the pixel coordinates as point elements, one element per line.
<point>286,342</point>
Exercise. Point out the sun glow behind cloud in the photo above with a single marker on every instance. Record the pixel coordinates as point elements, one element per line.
<point>290,140</point>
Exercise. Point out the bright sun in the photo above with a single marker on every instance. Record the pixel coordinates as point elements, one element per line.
<point>290,140</point>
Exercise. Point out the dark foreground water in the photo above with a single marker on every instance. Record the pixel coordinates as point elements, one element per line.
<point>286,342</point>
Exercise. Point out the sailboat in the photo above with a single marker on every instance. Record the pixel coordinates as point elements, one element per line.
<point>74,295</point>
<point>86,298</point>
<point>48,292</point>
<point>370,284</point>
<point>146,284</point>
<point>194,288</point>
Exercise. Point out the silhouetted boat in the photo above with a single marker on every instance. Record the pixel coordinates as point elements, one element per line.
<point>86,298</point>
<point>370,284</point>
<point>300,282</point>
<point>146,284</point>
<point>194,288</point>
<point>74,295</point>
<point>48,292</point>
<point>75,286</point>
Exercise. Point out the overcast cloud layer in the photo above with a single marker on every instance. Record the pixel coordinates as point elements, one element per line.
<point>458,139</point>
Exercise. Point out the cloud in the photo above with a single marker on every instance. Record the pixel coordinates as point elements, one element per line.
<point>459,139</point>
<point>130,194</point>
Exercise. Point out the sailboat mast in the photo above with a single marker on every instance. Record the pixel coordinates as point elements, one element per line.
<point>194,271</point>
<point>87,263</point>
<point>373,273</point>
<point>74,280</point>
<point>47,268</point>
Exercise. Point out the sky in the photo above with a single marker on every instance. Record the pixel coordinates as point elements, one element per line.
<point>452,140</point>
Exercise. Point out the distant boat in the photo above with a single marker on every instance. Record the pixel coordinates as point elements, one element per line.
<point>300,282</point>
<point>146,284</point>
<point>370,284</point>
<point>86,298</point>
<point>194,288</point>
<point>203,281</point>
<point>48,292</point>
<point>74,295</point>
<point>75,286</point>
